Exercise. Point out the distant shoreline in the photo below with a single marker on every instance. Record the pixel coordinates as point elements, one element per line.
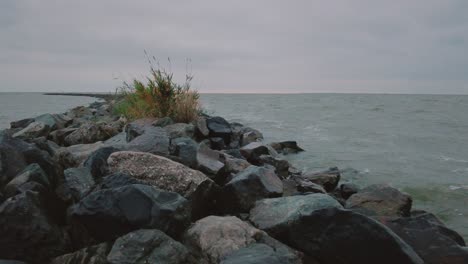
<point>106,96</point>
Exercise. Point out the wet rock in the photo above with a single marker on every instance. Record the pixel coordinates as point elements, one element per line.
<point>380,199</point>
<point>186,150</point>
<point>148,246</point>
<point>208,163</point>
<point>274,215</point>
<point>75,155</point>
<point>281,165</point>
<point>96,254</point>
<point>117,180</point>
<point>429,238</point>
<point>253,151</point>
<point>348,189</point>
<point>286,147</point>
<point>328,179</point>
<point>21,123</point>
<point>257,253</point>
<point>27,233</point>
<point>32,173</point>
<point>90,133</point>
<point>214,238</point>
<point>219,127</point>
<point>250,135</point>
<point>163,122</point>
<point>109,213</point>
<point>96,163</point>
<point>33,130</point>
<point>342,236</point>
<point>180,130</point>
<point>250,185</point>
<point>78,182</point>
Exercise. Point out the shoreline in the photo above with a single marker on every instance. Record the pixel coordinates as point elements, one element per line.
<point>104,177</point>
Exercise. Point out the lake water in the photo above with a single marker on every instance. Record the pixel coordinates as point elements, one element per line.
<point>417,143</point>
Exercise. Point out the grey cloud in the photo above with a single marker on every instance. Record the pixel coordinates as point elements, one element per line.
<point>238,46</point>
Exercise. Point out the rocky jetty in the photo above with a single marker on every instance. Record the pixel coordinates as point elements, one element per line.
<point>87,186</point>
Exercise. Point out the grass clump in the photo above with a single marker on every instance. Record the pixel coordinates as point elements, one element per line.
<point>159,96</point>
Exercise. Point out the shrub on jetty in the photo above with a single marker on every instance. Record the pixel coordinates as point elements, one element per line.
<point>159,96</point>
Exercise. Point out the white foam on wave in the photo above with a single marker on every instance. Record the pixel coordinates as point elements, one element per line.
<point>458,187</point>
<point>450,159</point>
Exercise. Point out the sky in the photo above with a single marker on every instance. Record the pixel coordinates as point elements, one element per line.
<point>262,46</point>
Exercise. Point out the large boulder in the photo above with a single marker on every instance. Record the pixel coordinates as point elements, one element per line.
<point>109,213</point>
<point>59,135</point>
<point>148,246</point>
<point>328,179</point>
<point>219,127</point>
<point>33,130</point>
<point>167,175</point>
<point>91,133</point>
<point>208,163</point>
<point>96,254</point>
<point>54,121</point>
<point>250,185</point>
<point>32,173</point>
<point>77,183</point>
<point>27,232</point>
<point>253,151</point>
<point>178,130</point>
<point>274,215</point>
<point>340,236</point>
<point>430,238</point>
<point>186,150</point>
<point>281,165</point>
<point>117,180</point>
<point>154,140</point>
<point>75,155</point>
<point>380,199</point>
<point>214,238</point>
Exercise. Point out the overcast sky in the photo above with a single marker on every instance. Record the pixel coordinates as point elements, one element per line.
<point>398,46</point>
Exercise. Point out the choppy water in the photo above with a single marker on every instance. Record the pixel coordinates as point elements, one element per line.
<point>418,143</point>
<point>15,106</point>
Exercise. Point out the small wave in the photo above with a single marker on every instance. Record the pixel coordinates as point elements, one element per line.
<point>458,187</point>
<point>450,159</point>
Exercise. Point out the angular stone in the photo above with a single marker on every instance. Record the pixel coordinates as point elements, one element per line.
<point>186,150</point>
<point>219,127</point>
<point>21,123</point>
<point>163,122</point>
<point>208,162</point>
<point>380,199</point>
<point>306,186</point>
<point>75,155</point>
<point>109,213</point>
<point>90,133</point>
<point>96,254</point>
<point>97,161</point>
<point>217,143</point>
<point>201,128</point>
<point>78,182</point>
<point>286,147</point>
<point>281,165</point>
<point>32,173</point>
<point>250,185</point>
<point>258,253</point>
<point>250,135</point>
<point>148,246</point>
<point>33,130</point>
<point>117,180</point>
<point>180,130</point>
<point>327,179</point>
<point>348,189</point>
<point>59,135</point>
<point>273,215</point>
<point>253,151</point>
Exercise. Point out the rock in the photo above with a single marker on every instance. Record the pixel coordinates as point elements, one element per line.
<point>208,163</point>
<point>148,246</point>
<point>167,175</point>
<point>250,185</point>
<point>117,180</point>
<point>15,155</point>
<point>109,213</point>
<point>250,135</point>
<point>117,140</point>
<point>430,239</point>
<point>133,130</point>
<point>217,143</point>
<point>59,135</point>
<point>163,122</point>
<point>32,173</point>
<point>274,215</point>
<point>27,233</point>
<point>75,155</point>
<point>380,199</point>
<point>53,121</point>
<point>305,186</point>
<point>257,253</point>
<point>78,182</point>
<point>90,133</point>
<point>96,254</point>
<point>214,238</point>
<point>186,150</point>
<point>237,131</point>
<point>3,261</point>
<point>97,161</point>
<point>342,236</point>
<point>201,129</point>
<point>281,165</point>
<point>219,127</point>
<point>233,165</point>
<point>80,112</point>
<point>348,189</point>
<point>328,179</point>
<point>154,140</point>
<point>180,130</point>
<point>21,123</point>
<point>253,151</point>
<point>49,146</point>
<point>33,130</point>
<point>286,147</point>
<point>234,152</point>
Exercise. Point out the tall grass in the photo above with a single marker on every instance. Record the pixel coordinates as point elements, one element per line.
<point>159,96</point>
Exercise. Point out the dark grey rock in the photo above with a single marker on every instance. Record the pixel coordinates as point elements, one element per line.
<point>49,146</point>
<point>90,133</point>
<point>133,130</point>
<point>59,135</point>
<point>380,199</point>
<point>348,189</point>
<point>342,236</point>
<point>78,182</point>
<point>201,129</point>
<point>250,185</point>
<point>208,163</point>
<point>96,254</point>
<point>21,123</point>
<point>281,165</point>
<point>250,135</point>
<point>256,253</point>
<point>109,213</point>
<point>306,186</point>
<point>73,156</point>
<point>163,122</point>
<point>148,246</point>
<point>328,179</point>
<point>32,173</point>
<point>180,130</point>
<point>219,127</point>
<point>217,143</point>
<point>286,147</point>
<point>253,151</point>
<point>117,180</point>
<point>33,130</point>
<point>186,150</point>
<point>97,161</point>
<point>274,215</point>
